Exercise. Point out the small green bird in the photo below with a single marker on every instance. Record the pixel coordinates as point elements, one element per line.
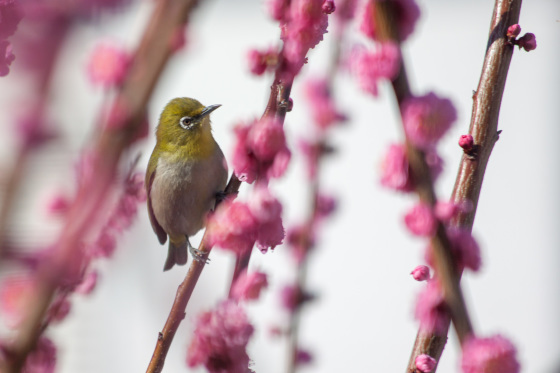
<point>187,171</point>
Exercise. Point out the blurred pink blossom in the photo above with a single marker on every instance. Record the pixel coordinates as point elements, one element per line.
<point>370,66</point>
<point>406,14</point>
<point>431,309</point>
<point>321,104</point>
<point>421,273</point>
<point>425,363</point>
<point>88,283</point>
<point>267,210</point>
<point>59,309</point>
<point>15,293</point>
<point>395,169</point>
<point>259,61</point>
<point>10,16</point>
<point>108,65</point>
<point>325,206</point>
<point>58,204</point>
<point>447,210</point>
<point>248,286</point>
<point>420,220</point>
<point>495,354</point>
<point>426,119</point>
<point>292,297</point>
<point>464,247</point>
<point>301,239</point>
<point>233,227</point>
<point>6,57</point>
<point>42,359</point>
<point>220,340</point>
<point>303,357</point>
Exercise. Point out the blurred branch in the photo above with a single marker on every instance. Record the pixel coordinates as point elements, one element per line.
<point>155,48</point>
<point>444,262</point>
<point>484,129</point>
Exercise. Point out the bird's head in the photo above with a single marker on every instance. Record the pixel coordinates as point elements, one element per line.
<point>185,122</point>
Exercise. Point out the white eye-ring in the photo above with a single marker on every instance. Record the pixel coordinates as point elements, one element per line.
<point>186,122</point>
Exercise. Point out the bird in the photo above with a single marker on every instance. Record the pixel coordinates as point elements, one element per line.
<point>186,175</point>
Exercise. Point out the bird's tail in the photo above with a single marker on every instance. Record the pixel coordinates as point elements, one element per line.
<point>177,254</point>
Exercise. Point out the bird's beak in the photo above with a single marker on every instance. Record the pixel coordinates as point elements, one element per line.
<point>207,110</point>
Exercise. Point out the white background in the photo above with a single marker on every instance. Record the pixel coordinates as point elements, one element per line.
<point>362,320</point>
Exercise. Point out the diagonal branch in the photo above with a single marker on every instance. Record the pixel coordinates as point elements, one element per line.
<point>484,129</point>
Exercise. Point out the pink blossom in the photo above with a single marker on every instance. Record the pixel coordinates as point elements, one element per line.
<point>42,359</point>
<point>370,66</point>
<point>301,239</point>
<point>328,6</point>
<point>420,220</point>
<point>6,57</point>
<point>527,42</point>
<point>233,227</point>
<point>406,14</point>
<point>431,309</point>
<point>58,205</point>
<point>425,363</point>
<point>303,357</point>
<point>445,211</point>
<point>259,61</point>
<point>260,150</point>
<point>248,286</point>
<point>321,104</point>
<point>464,247</point>
<point>466,142</point>
<point>395,169</point>
<point>32,128</point>
<point>88,283</point>
<point>495,354</point>
<point>324,206</point>
<point>15,294</point>
<point>426,119</point>
<point>267,210</point>
<point>10,16</point>
<point>59,309</point>
<point>278,9</point>
<point>108,65</point>
<point>421,273</point>
<point>292,297</point>
<point>104,246</point>
<point>220,340</point>
<point>513,31</point>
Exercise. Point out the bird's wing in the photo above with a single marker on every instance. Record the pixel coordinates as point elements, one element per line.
<point>150,175</point>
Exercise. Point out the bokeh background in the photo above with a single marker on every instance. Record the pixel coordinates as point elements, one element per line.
<point>362,320</point>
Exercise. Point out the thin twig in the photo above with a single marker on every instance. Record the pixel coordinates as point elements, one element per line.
<point>484,129</point>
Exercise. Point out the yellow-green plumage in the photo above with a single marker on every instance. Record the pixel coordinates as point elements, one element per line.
<point>186,171</point>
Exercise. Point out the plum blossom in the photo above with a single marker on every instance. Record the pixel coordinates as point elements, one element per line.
<point>259,61</point>
<point>425,363</point>
<point>220,339</point>
<point>108,65</point>
<point>267,210</point>
<point>6,57</point>
<point>260,150</point>
<point>421,273</point>
<point>370,66</point>
<point>431,309</point>
<point>321,104</point>
<point>527,42</point>
<point>248,286</point>
<point>464,247</point>
<point>426,119</point>
<point>420,220</point>
<point>494,354</point>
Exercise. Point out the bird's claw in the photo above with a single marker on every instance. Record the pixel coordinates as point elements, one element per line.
<point>198,255</point>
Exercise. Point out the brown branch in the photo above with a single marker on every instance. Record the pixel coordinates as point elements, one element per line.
<point>151,56</point>
<point>484,129</point>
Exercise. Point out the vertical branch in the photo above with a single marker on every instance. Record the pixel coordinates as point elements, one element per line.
<point>484,129</point>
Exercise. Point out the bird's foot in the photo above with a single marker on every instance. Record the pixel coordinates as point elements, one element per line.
<point>198,255</point>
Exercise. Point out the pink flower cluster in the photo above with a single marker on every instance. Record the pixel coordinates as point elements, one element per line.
<point>370,66</point>
<point>237,226</point>
<point>420,220</point>
<point>303,23</point>
<point>406,14</point>
<point>108,65</point>
<point>220,340</point>
<point>248,286</point>
<point>259,62</point>
<point>321,104</point>
<point>431,309</point>
<point>260,150</point>
<point>426,119</point>
<point>489,355</point>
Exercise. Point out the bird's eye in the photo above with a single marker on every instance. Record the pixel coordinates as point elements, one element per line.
<point>186,122</point>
